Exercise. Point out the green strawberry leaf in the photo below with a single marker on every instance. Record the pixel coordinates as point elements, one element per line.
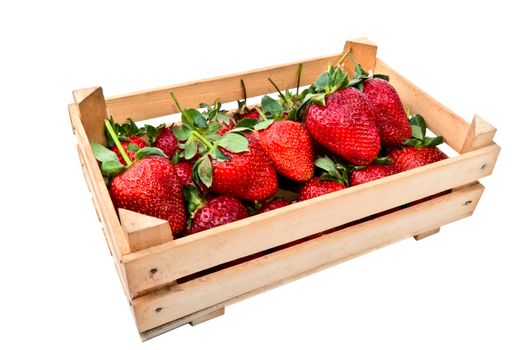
<point>196,117</point>
<point>152,133</point>
<point>271,106</point>
<point>234,142</point>
<point>381,76</point>
<point>176,157</point>
<point>102,154</point>
<point>412,142</point>
<point>182,133</point>
<point>326,164</point>
<point>112,167</point>
<point>263,125</point>
<point>148,151</point>
<point>248,123</point>
<point>382,160</point>
<point>318,99</point>
<point>133,147</point>
<point>212,128</point>
<point>190,148</point>
<point>217,154</point>
<point>322,83</point>
<point>419,127</point>
<point>433,141</point>
<point>205,171</point>
<point>194,200</point>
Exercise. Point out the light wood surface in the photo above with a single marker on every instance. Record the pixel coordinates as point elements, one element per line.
<point>254,276</point>
<point>92,112</point>
<point>480,134</point>
<point>144,231</point>
<point>207,317</point>
<point>184,256</point>
<point>362,51</point>
<point>426,234</point>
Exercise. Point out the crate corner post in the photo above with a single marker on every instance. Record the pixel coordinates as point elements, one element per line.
<point>361,51</point>
<point>92,109</point>
<point>143,231</point>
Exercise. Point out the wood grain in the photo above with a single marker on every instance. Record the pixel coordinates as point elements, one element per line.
<point>184,256</point>
<point>254,276</point>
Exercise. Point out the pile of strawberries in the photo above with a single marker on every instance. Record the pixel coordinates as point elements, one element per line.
<point>218,167</point>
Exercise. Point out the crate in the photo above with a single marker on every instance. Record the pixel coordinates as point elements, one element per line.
<point>170,283</point>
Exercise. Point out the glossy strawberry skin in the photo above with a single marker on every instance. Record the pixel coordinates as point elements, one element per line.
<point>316,187</point>
<point>345,126</point>
<point>247,175</point>
<point>151,187</point>
<point>167,142</point>
<point>370,173</point>
<point>272,205</point>
<point>134,140</point>
<point>390,117</point>
<point>253,114</point>
<point>412,157</point>
<point>184,172</point>
<point>218,211</point>
<point>289,146</point>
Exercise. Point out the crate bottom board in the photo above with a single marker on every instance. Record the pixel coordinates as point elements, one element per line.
<point>189,302</point>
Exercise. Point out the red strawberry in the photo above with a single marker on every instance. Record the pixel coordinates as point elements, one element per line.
<point>225,128</point>
<point>151,187</point>
<point>253,114</point>
<point>317,187</point>
<point>413,157</point>
<point>184,172</point>
<point>345,126</point>
<point>135,140</point>
<point>246,175</point>
<point>390,117</point>
<point>271,205</point>
<point>370,173</point>
<point>289,146</point>
<point>218,211</point>
<point>166,141</point>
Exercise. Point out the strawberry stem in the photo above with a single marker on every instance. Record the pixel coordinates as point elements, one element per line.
<point>115,139</point>
<point>277,88</point>
<point>202,139</point>
<point>342,58</point>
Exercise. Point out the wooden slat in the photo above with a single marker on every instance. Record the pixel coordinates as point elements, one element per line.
<point>480,134</point>
<point>92,112</point>
<point>363,52</point>
<point>440,119</point>
<point>184,256</point>
<point>426,234</point>
<point>144,231</point>
<point>111,226</point>
<point>226,286</point>
<point>157,102</point>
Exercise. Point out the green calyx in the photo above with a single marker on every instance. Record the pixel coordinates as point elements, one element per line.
<point>194,200</point>
<point>419,138</point>
<point>110,165</point>
<point>199,135</point>
<point>122,131</point>
<point>329,82</point>
<point>333,171</point>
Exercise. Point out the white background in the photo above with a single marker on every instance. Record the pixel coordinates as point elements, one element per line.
<point>462,288</point>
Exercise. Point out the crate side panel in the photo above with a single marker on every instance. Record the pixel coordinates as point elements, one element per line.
<point>184,256</point>
<point>161,307</point>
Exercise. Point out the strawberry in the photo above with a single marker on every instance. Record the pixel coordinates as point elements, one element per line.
<point>413,157</point>
<point>273,204</point>
<point>149,185</point>
<point>252,114</point>
<point>232,164</point>
<point>130,150</point>
<point>317,187</point>
<point>419,150</point>
<point>166,141</point>
<point>387,108</point>
<point>370,173</point>
<point>289,146</point>
<point>390,117</point>
<point>218,211</point>
<point>247,175</point>
<point>340,119</point>
<point>184,172</point>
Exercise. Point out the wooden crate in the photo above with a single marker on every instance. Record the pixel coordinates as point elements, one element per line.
<point>173,282</point>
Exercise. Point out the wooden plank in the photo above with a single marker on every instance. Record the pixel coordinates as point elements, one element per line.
<point>144,231</point>
<point>157,102</point>
<point>184,256</point>
<point>426,234</point>
<point>207,317</point>
<point>362,51</point>
<point>92,112</point>
<point>111,226</point>
<point>441,120</point>
<point>480,134</point>
<point>255,276</point>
